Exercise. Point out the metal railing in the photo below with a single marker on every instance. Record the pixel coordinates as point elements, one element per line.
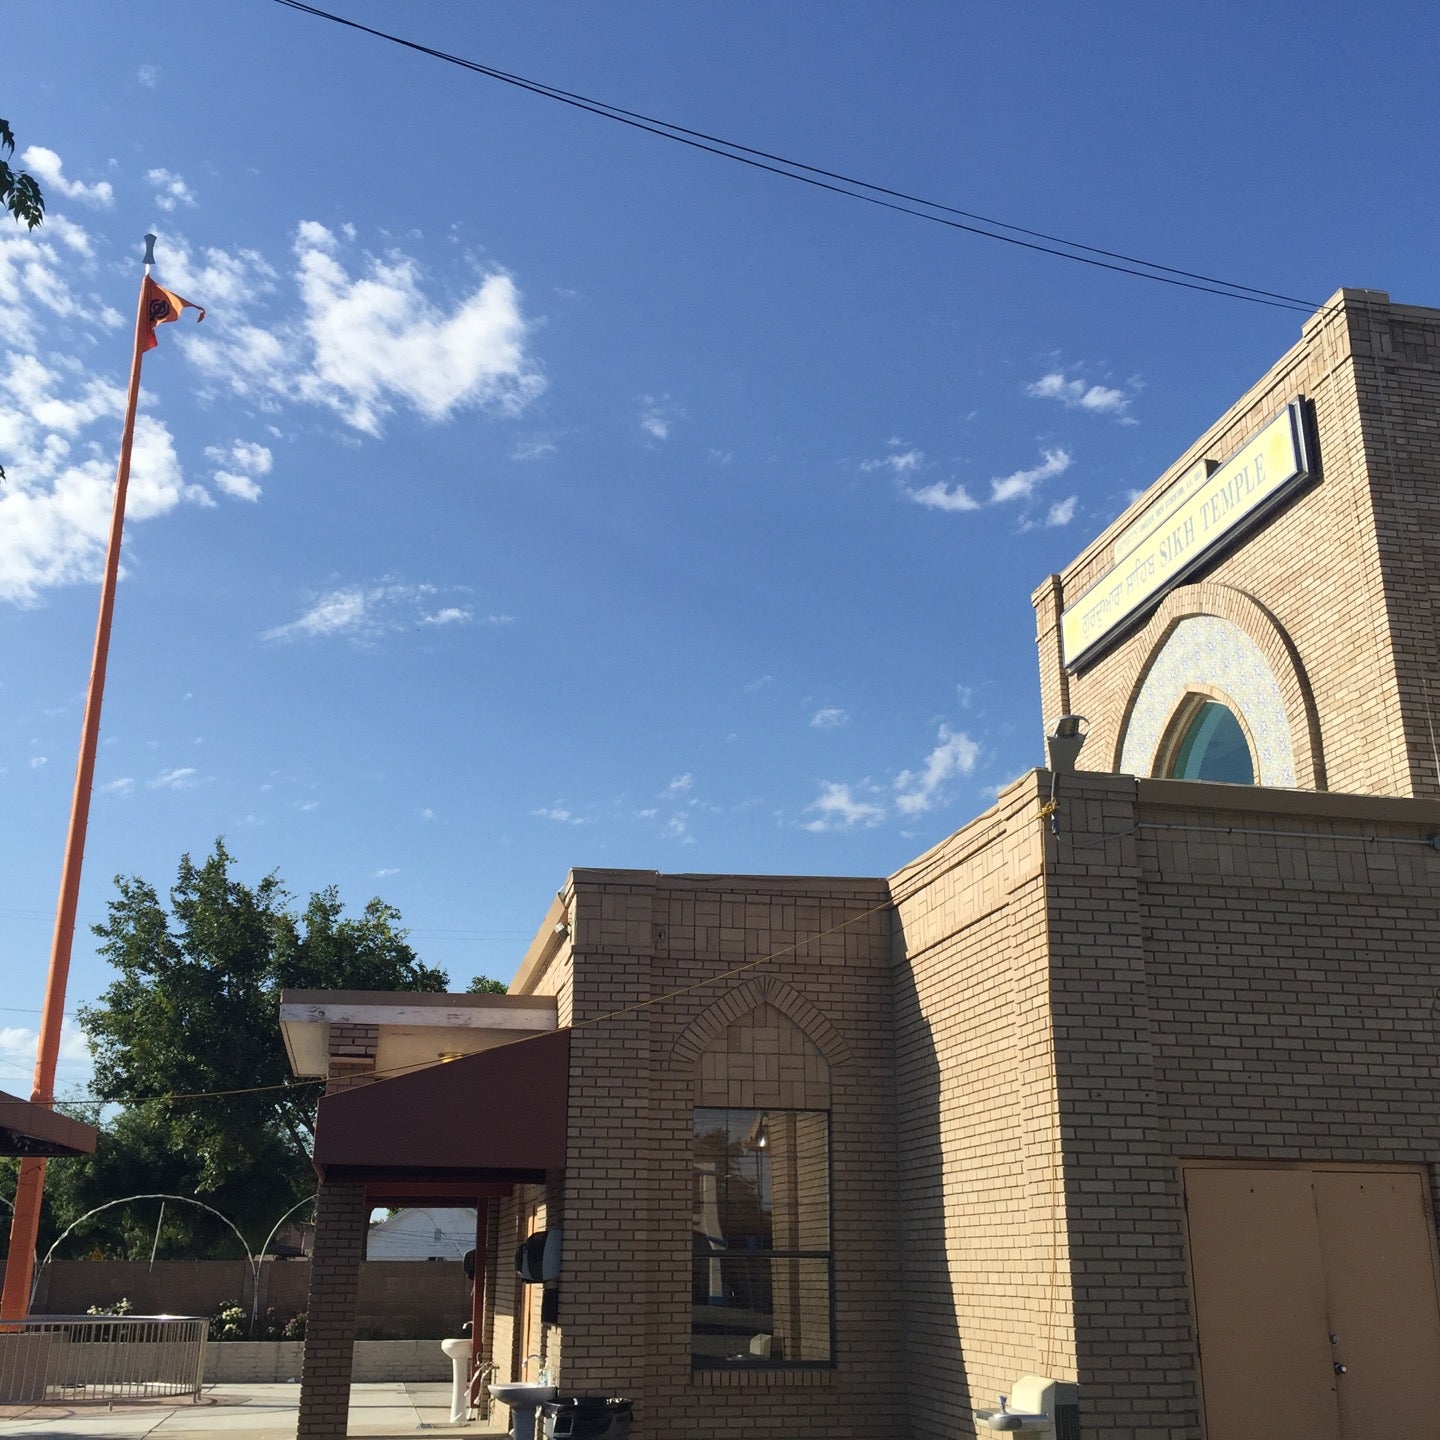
<point>101,1357</point>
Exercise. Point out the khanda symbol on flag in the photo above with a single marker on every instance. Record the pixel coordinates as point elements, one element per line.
<point>161,306</point>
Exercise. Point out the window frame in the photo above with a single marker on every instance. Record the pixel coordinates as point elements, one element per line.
<point>703,1364</point>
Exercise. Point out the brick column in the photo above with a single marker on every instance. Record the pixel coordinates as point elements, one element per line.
<point>341,1214</point>
<point>352,1055</point>
<point>1049,602</point>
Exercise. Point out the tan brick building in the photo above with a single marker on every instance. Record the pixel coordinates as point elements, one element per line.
<point>1132,1081</point>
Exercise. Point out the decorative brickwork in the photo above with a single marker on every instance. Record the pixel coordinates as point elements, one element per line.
<point>1343,575</point>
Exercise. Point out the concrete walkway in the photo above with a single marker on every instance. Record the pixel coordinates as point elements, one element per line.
<point>398,1410</point>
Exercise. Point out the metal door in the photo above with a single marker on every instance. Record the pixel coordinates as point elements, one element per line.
<point>1259,1296</point>
<point>1375,1239</point>
<point>1315,1301</point>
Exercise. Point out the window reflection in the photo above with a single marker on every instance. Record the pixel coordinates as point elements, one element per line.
<point>761,1237</point>
<point>1213,747</point>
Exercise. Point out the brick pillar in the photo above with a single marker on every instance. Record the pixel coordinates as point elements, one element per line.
<point>352,1055</point>
<point>341,1214</point>
<point>1049,602</point>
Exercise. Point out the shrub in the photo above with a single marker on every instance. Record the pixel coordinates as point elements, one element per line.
<point>228,1322</point>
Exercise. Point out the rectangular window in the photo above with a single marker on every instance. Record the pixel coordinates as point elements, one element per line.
<point>761,1277</point>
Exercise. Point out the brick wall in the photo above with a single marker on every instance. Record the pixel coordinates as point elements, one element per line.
<point>639,937</point>
<point>1338,587</point>
<point>1237,973</point>
<point>986,1266</point>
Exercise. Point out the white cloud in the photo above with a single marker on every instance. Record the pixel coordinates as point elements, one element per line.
<point>1023,482</point>
<point>1062,512</point>
<point>122,786</point>
<point>46,167</point>
<point>38,762</point>
<point>362,342</point>
<point>41,275</point>
<point>658,415</point>
<point>148,76</point>
<point>171,191</point>
<point>249,459</point>
<point>55,506</point>
<point>377,339</point>
<point>681,784</point>
<point>427,814</point>
<point>18,1048</point>
<point>1077,395</point>
<point>183,778</point>
<point>535,449</point>
<point>955,754</point>
<point>752,687</point>
<point>363,339</point>
<point>830,718</point>
<point>837,808</point>
<point>559,814</point>
<point>385,870</point>
<point>944,497</point>
<point>363,613</point>
<point>899,462</point>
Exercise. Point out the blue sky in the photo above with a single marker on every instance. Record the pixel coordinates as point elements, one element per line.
<point>540,494</point>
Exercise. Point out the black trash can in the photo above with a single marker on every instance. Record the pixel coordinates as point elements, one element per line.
<point>587,1417</point>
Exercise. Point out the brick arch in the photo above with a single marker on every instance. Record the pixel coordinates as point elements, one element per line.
<point>735,1003</point>
<point>1256,622</point>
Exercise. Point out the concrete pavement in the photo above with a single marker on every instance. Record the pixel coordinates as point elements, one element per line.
<point>396,1410</point>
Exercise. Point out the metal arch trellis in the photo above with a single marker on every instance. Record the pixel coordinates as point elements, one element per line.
<point>252,1259</point>
<point>255,1260</point>
<point>125,1200</point>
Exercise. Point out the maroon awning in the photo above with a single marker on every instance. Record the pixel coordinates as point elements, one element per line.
<point>30,1129</point>
<point>498,1115</point>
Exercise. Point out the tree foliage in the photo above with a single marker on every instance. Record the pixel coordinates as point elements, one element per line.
<point>19,192</point>
<point>484,985</point>
<point>187,1038</point>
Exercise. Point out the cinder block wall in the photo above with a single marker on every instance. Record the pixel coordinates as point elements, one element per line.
<point>638,937</point>
<point>986,1265</point>
<point>1345,575</point>
<point>1238,973</point>
<point>397,1299</point>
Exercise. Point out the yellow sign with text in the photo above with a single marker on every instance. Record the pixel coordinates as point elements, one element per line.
<point>1150,558</point>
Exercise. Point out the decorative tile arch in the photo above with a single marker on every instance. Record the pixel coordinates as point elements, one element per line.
<point>1218,642</point>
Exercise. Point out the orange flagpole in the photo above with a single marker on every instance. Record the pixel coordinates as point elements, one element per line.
<point>25,1225</point>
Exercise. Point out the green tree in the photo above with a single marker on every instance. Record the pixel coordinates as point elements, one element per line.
<point>187,1038</point>
<point>19,192</point>
<point>484,985</point>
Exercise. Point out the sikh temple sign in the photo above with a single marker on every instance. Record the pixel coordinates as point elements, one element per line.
<point>1170,537</point>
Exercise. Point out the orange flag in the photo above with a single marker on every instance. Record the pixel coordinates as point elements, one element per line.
<point>161,306</point>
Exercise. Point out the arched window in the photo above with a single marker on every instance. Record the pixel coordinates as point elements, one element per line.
<point>1212,746</point>
<point>762,1269</point>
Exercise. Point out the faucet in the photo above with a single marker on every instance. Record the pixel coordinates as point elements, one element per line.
<point>525,1363</point>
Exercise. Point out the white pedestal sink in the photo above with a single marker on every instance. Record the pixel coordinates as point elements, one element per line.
<point>458,1350</point>
<point>523,1401</point>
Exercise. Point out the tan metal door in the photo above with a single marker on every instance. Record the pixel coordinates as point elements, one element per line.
<point>1259,1295</point>
<point>1315,1298</point>
<point>1375,1239</point>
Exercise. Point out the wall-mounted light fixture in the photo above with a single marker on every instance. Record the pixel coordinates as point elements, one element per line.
<point>1063,742</point>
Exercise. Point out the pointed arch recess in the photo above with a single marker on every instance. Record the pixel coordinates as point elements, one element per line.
<point>744,998</point>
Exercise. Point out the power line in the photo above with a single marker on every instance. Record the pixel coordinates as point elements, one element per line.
<point>841,184</point>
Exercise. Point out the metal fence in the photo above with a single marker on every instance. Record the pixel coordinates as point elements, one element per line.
<point>100,1357</point>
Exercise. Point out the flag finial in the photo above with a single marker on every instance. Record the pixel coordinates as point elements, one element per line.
<point>150,250</point>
